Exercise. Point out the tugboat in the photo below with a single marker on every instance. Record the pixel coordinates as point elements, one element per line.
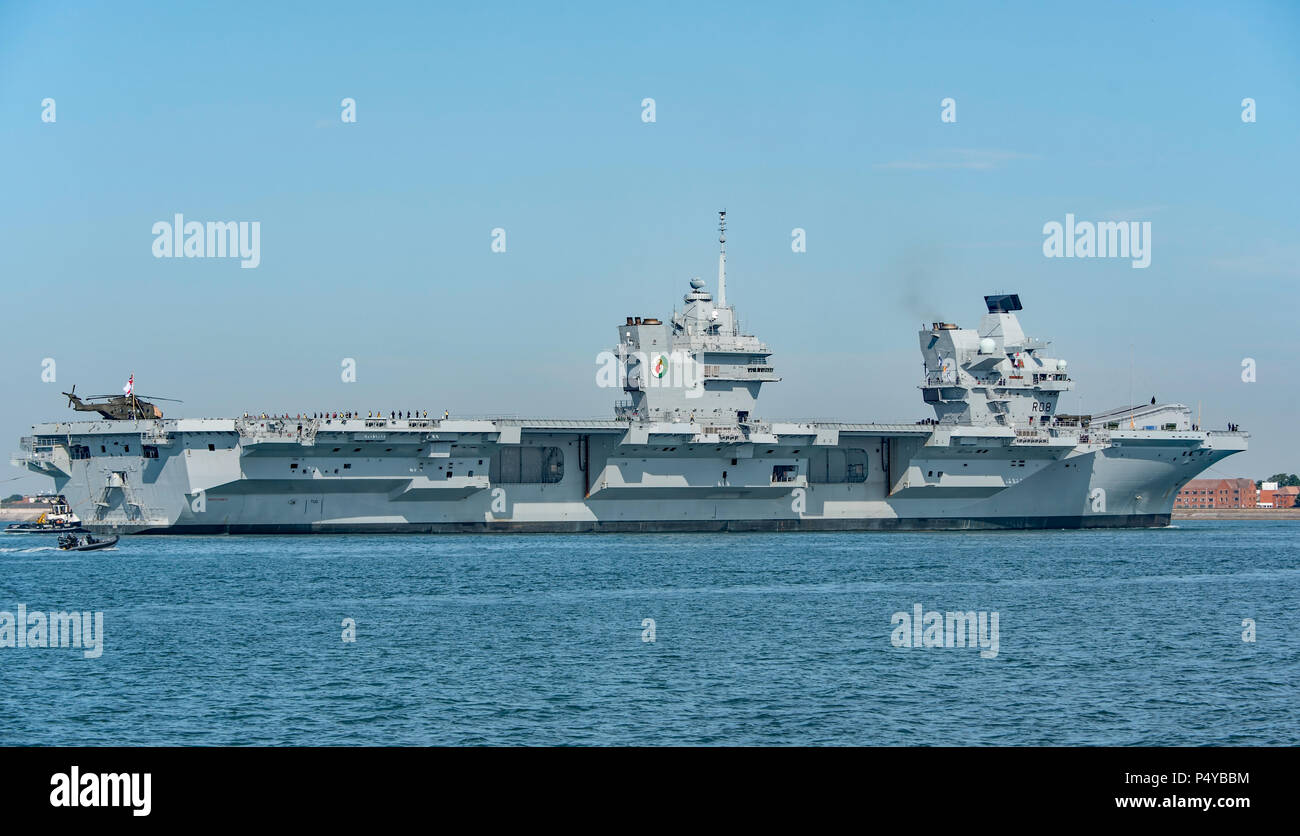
<point>72,543</point>
<point>58,520</point>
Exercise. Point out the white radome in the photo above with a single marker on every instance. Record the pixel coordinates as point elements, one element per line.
<point>987,345</point>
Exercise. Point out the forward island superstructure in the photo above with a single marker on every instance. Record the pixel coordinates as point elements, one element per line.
<point>685,451</point>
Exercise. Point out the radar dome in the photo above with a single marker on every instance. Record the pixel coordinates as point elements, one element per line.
<point>697,283</point>
<point>987,345</point>
<point>1060,365</point>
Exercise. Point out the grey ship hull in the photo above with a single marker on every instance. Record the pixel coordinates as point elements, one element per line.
<point>674,526</point>
<point>258,476</point>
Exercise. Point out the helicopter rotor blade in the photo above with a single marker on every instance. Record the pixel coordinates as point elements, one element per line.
<point>155,398</point>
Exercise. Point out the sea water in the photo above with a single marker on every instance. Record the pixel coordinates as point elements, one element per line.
<point>1187,635</point>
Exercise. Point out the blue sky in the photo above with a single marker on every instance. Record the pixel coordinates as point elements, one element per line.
<point>375,236</point>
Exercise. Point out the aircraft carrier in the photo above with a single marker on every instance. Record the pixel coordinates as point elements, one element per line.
<point>685,450</point>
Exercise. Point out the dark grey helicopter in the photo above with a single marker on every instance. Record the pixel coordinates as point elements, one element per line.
<point>117,407</point>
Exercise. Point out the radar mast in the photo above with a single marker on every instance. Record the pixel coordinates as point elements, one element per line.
<point>722,259</point>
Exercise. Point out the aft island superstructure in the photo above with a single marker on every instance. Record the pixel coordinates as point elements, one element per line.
<point>684,451</point>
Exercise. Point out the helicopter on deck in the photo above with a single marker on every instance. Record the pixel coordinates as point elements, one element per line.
<point>128,407</point>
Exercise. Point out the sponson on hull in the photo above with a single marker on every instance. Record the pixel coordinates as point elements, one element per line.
<point>686,450</point>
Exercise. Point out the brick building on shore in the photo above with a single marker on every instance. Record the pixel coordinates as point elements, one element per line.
<point>1217,493</point>
<point>1272,496</point>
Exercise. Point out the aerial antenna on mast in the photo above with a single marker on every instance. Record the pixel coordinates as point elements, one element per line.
<point>722,259</point>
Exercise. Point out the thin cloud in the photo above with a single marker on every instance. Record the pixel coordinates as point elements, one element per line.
<point>972,159</point>
<point>990,245</point>
<point>1275,264</point>
<point>1132,214</point>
